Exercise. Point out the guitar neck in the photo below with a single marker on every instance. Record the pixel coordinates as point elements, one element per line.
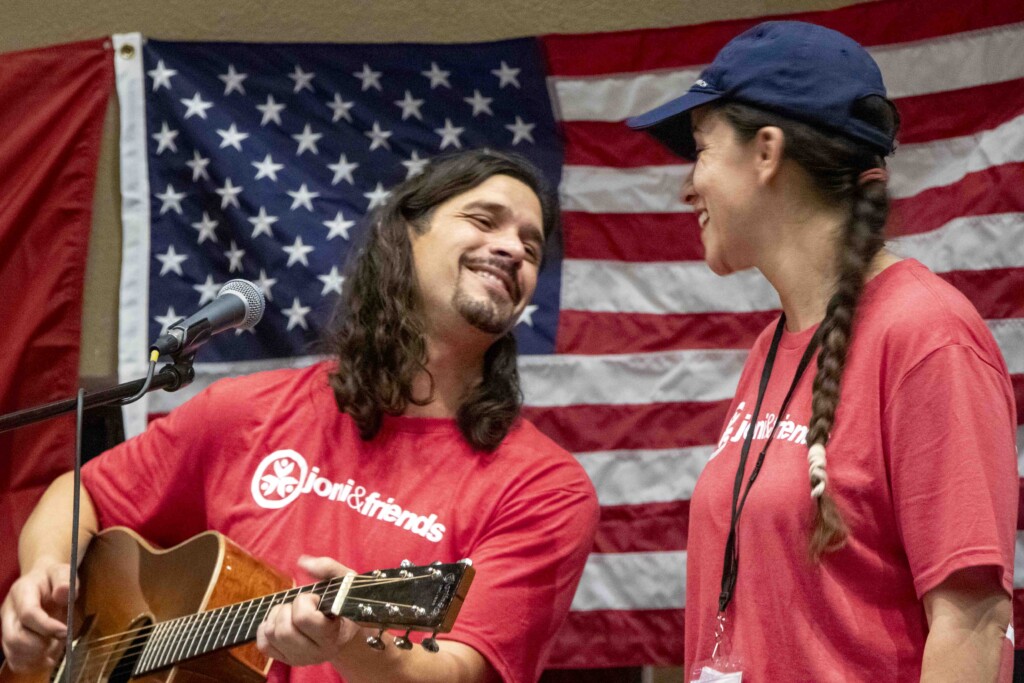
<point>194,635</point>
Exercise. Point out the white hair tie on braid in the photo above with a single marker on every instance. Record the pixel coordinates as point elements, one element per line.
<point>816,460</point>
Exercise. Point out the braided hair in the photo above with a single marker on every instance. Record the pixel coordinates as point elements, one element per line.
<point>835,164</point>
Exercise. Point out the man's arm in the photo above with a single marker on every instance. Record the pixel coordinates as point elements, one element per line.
<point>299,634</point>
<point>34,609</point>
<point>968,615</point>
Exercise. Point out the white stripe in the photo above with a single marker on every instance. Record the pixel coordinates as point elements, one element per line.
<point>938,65</point>
<point>669,376</point>
<point>914,168</point>
<point>671,287</point>
<point>133,317</point>
<point>644,189</point>
<point>969,243</point>
<point>1009,633</point>
<point>928,165</point>
<point>1009,334</point>
<point>632,581</point>
<point>635,477</point>
<point>963,60</point>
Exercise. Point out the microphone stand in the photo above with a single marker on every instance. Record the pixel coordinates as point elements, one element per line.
<point>171,377</point>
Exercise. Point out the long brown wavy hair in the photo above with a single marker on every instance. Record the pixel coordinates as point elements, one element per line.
<point>834,164</point>
<point>377,331</point>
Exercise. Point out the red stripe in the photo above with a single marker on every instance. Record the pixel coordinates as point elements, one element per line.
<point>871,23</point>
<point>607,638</point>
<point>993,190</point>
<point>636,237</point>
<point>661,237</point>
<point>584,428</point>
<point>651,527</point>
<point>1017,381</point>
<point>1018,619</point>
<point>924,118</point>
<point>602,333</point>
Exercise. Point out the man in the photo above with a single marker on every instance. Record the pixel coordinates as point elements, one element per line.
<point>407,444</point>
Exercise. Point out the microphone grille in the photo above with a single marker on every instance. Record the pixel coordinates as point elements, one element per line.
<point>253,298</point>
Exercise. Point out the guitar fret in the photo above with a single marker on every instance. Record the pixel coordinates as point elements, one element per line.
<point>161,647</point>
<point>147,650</point>
<point>195,637</point>
<point>217,618</point>
<point>182,639</point>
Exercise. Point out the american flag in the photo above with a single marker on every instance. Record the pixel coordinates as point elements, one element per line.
<point>238,161</point>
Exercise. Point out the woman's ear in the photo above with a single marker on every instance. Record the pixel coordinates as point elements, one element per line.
<point>768,146</point>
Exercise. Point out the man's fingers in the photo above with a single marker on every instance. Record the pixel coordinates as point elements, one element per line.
<point>322,567</point>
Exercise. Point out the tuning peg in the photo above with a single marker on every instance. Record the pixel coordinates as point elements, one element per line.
<point>430,644</point>
<point>376,642</point>
<point>466,562</point>
<point>405,564</point>
<point>403,642</point>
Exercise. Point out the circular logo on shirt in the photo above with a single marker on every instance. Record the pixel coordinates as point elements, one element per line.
<point>278,479</point>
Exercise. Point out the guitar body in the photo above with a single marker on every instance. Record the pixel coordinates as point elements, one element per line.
<point>126,584</point>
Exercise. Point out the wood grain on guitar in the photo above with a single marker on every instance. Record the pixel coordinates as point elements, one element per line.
<point>190,613</point>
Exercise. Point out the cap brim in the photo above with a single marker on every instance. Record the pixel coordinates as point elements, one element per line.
<point>669,124</point>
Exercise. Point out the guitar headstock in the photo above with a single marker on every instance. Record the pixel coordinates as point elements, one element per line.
<point>414,598</point>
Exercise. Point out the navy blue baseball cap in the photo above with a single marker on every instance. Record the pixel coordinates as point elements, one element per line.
<point>802,71</point>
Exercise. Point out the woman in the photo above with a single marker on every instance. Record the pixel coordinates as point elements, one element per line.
<point>899,564</point>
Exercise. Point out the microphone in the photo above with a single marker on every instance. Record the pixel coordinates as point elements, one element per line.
<point>239,303</point>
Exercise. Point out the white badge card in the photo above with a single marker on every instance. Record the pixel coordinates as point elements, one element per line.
<point>716,671</point>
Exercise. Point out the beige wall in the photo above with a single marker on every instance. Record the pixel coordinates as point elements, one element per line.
<point>32,23</point>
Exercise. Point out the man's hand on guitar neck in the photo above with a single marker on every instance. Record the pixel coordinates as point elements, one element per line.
<point>298,634</point>
<point>33,614</point>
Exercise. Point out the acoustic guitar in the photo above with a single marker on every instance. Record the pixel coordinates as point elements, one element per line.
<point>190,613</point>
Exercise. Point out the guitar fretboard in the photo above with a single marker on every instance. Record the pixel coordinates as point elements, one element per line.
<point>198,634</point>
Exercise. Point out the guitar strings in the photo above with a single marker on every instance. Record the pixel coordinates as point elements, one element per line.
<point>80,666</point>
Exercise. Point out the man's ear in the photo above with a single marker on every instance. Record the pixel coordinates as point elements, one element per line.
<point>769,145</point>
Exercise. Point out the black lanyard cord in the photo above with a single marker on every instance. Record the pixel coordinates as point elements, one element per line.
<point>731,561</point>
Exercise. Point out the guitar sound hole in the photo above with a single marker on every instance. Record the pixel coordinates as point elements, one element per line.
<point>122,673</point>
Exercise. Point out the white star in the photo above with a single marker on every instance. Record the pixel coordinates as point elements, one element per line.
<point>340,108</point>
<point>521,130</point>
<point>165,139</point>
<point>297,314</point>
<point>343,169</point>
<point>233,80</point>
<point>172,261</point>
<point>271,111</point>
<point>208,290</point>
<point>369,77</point>
<point>170,200</point>
<point>377,197</point>
<point>265,283</point>
<point>297,252</point>
<point>479,103</point>
<point>526,317</point>
<point>161,76</point>
<point>167,320</point>
<point>228,194</point>
<point>206,228</point>
<point>232,137</point>
<point>414,165</point>
<point>196,106</point>
<point>261,223</point>
<point>378,137</point>
<point>267,168</point>
<point>506,75</point>
<point>303,197</point>
<point>449,134</point>
<point>338,227</point>
<point>332,281</point>
<point>437,76</point>
<point>307,140</point>
<point>234,255</point>
<point>410,106</point>
<point>198,166</point>
<point>302,79</point>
